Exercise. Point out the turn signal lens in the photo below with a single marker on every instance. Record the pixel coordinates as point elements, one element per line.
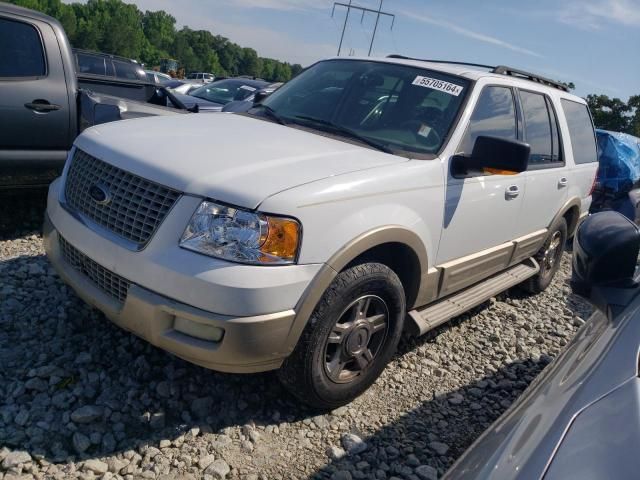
<point>282,240</point>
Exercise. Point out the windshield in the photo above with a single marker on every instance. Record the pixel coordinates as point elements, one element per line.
<point>400,108</point>
<point>224,91</point>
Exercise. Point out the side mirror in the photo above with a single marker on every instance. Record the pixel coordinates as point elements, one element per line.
<point>493,155</point>
<point>260,95</point>
<point>605,256</point>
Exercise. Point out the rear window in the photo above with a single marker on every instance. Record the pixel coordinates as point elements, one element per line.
<point>21,52</point>
<point>583,138</point>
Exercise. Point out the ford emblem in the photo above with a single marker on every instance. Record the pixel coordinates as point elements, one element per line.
<point>100,194</point>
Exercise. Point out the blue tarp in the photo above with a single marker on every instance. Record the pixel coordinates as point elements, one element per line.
<point>619,157</point>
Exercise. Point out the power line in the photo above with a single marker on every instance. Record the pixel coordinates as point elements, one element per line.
<point>349,6</point>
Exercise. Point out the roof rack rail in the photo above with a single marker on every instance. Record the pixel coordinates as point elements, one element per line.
<point>447,62</point>
<point>514,72</point>
<point>500,70</point>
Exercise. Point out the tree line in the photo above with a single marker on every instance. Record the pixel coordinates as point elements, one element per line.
<point>616,115</point>
<point>115,27</point>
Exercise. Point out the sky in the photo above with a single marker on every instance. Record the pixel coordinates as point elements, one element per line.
<point>593,43</point>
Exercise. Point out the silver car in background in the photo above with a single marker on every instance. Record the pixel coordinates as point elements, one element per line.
<point>580,419</point>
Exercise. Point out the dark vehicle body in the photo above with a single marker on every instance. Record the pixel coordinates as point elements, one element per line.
<point>580,418</point>
<point>44,104</point>
<point>214,96</point>
<point>242,106</point>
<point>107,65</point>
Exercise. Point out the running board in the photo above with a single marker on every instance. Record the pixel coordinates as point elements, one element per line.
<point>429,317</point>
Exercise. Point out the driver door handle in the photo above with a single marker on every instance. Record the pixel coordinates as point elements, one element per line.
<point>42,106</point>
<point>512,192</point>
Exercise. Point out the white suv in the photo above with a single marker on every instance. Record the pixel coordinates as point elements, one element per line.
<point>363,198</point>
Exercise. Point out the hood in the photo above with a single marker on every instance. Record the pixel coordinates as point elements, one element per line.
<point>189,101</point>
<point>238,106</point>
<point>231,158</point>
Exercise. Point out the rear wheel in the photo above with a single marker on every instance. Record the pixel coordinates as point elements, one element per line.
<point>350,337</point>
<point>549,258</point>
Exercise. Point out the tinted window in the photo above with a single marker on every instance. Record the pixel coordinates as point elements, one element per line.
<point>91,64</point>
<point>21,53</point>
<point>583,140</point>
<point>151,77</point>
<point>224,91</point>
<point>539,123</point>
<point>126,70</point>
<point>406,109</point>
<point>494,116</point>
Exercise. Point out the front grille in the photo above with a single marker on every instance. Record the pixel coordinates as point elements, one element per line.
<point>113,285</point>
<point>134,207</point>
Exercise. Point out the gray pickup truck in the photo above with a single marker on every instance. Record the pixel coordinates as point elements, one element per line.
<point>44,104</point>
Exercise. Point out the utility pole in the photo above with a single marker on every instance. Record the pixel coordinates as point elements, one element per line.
<point>375,29</point>
<point>344,27</point>
<point>349,6</point>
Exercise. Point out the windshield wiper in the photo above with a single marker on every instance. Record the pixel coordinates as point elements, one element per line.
<point>346,132</point>
<point>270,112</point>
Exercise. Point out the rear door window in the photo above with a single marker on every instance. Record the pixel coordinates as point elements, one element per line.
<point>493,116</point>
<point>21,51</point>
<point>583,138</point>
<point>540,130</point>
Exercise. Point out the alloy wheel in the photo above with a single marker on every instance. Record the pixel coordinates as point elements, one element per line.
<point>553,252</point>
<point>356,338</point>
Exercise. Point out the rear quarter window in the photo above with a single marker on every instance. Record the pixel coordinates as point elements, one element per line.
<point>583,138</point>
<point>125,70</point>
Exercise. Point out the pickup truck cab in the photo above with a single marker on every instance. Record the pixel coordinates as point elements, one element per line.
<point>363,198</point>
<point>45,103</point>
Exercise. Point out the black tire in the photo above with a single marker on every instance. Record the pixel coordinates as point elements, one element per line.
<point>549,258</point>
<point>317,371</point>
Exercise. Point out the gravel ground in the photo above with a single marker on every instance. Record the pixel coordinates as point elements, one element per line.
<point>81,398</point>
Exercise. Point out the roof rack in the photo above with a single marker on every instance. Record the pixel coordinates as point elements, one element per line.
<point>514,72</point>
<point>448,62</point>
<point>499,70</point>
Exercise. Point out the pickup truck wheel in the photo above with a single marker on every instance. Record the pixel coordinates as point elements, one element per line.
<point>549,258</point>
<point>349,339</point>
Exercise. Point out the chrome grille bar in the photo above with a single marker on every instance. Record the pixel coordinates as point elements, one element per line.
<point>113,285</point>
<point>133,207</point>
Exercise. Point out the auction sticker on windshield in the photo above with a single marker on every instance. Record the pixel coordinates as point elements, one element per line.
<point>441,85</point>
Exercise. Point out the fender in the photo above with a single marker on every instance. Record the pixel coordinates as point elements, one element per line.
<point>574,202</point>
<point>342,258</point>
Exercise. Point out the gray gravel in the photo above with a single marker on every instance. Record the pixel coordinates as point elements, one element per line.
<point>80,398</point>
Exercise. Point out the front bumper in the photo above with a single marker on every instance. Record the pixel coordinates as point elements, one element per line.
<point>247,344</point>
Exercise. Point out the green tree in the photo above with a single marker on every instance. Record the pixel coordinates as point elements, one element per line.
<point>634,122</point>
<point>250,63</point>
<point>282,72</point>
<point>113,26</point>
<point>609,113</point>
<point>160,29</point>
<point>296,68</point>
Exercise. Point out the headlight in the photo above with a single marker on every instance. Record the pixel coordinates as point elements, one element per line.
<point>241,236</point>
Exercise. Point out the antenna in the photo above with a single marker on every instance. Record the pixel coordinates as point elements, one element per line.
<point>349,6</point>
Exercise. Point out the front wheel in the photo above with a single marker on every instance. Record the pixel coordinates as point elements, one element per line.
<point>351,336</point>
